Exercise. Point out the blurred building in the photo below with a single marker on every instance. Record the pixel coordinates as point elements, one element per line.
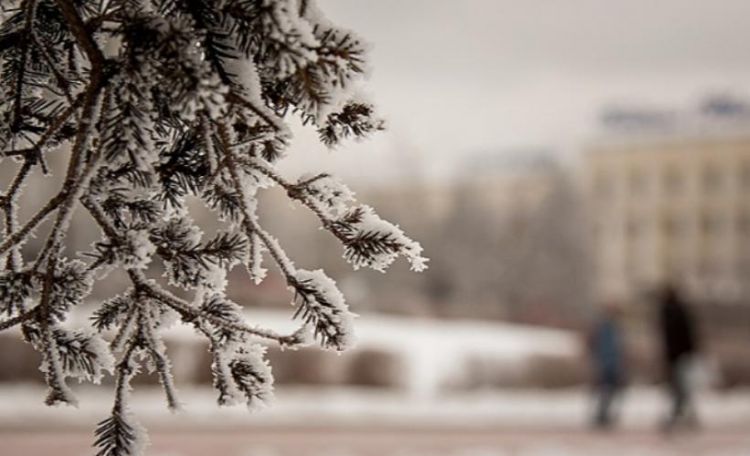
<point>511,181</point>
<point>669,196</point>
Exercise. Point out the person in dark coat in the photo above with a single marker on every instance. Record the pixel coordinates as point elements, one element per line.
<point>607,355</point>
<point>680,344</point>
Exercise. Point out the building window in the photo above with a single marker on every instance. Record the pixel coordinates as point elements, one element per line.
<point>598,232</point>
<point>743,224</point>
<point>603,186</point>
<point>672,226</point>
<point>631,268</point>
<point>711,178</point>
<point>632,228</point>
<point>707,265</point>
<point>672,180</point>
<point>637,181</point>
<point>710,224</point>
<point>673,265</point>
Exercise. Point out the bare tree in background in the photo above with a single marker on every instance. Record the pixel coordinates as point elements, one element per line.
<point>529,256</point>
<point>156,101</point>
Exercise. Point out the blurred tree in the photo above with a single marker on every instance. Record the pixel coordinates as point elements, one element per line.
<point>520,256</point>
<point>506,243</point>
<point>155,101</point>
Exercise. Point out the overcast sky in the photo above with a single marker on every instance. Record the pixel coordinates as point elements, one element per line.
<point>461,77</point>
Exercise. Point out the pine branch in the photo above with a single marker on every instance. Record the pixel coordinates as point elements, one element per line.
<point>115,436</point>
<point>79,171</point>
<point>35,151</point>
<point>59,393</point>
<point>20,236</point>
<point>19,319</point>
<point>191,314</point>
<point>63,83</point>
<point>157,351</point>
<point>83,37</point>
<point>30,10</point>
<point>375,245</point>
<point>191,102</point>
<point>188,312</point>
<point>119,435</point>
<point>321,306</point>
<point>111,312</point>
<point>262,113</point>
<point>10,212</point>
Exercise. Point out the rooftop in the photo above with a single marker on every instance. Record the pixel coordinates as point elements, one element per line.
<point>718,116</point>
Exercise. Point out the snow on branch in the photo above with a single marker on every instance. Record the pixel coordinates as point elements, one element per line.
<point>159,103</point>
<point>321,305</point>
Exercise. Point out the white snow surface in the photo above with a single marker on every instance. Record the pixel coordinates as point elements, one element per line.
<point>643,409</point>
<point>434,352</point>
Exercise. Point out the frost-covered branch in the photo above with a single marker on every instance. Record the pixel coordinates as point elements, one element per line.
<point>191,314</point>
<point>18,319</point>
<point>368,239</point>
<point>18,237</point>
<point>34,152</point>
<point>190,100</point>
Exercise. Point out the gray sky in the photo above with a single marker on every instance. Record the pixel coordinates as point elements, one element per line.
<point>455,78</point>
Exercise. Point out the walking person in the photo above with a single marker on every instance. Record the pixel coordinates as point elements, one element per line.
<point>680,345</point>
<point>607,354</point>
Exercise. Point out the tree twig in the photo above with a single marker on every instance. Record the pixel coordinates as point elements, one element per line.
<point>251,226</point>
<point>18,319</point>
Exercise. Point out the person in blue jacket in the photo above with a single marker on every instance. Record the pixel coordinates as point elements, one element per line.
<point>607,355</point>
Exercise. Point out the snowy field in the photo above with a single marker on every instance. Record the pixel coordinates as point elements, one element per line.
<point>361,422</point>
<point>379,442</point>
<point>420,420</point>
<point>22,407</point>
<point>432,352</point>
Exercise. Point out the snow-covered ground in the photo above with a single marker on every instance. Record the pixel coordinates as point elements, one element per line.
<point>425,442</point>
<point>363,423</point>
<point>420,420</point>
<point>21,407</point>
<point>433,352</point>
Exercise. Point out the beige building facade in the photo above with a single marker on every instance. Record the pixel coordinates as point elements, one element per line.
<point>671,208</point>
